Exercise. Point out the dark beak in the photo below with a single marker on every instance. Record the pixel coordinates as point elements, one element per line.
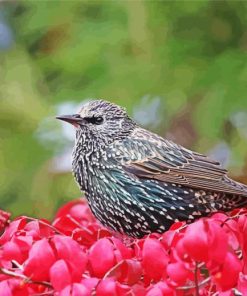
<point>73,119</point>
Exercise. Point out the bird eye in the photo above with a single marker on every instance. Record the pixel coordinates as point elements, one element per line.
<point>98,120</point>
<point>94,119</point>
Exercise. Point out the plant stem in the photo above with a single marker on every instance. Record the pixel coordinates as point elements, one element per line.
<point>25,278</point>
<point>196,280</point>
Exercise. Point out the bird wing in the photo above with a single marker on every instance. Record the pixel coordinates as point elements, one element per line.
<point>146,155</point>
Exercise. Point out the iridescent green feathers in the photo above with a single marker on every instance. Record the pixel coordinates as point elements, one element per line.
<point>147,155</point>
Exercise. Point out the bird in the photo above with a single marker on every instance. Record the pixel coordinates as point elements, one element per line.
<point>137,182</point>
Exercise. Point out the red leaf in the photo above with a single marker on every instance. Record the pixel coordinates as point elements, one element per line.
<point>227,277</point>
<point>121,251</point>
<point>41,258</point>
<point>60,275</point>
<point>101,257</point>
<point>77,209</point>
<point>38,229</point>
<point>13,227</point>
<point>177,225</point>
<point>87,236</point>
<point>242,284</point>
<point>170,238</point>
<point>155,259</point>
<point>75,289</point>
<point>65,224</point>
<point>218,242</point>
<point>5,288</point>
<point>123,290</point>
<point>161,288</point>
<point>90,284</point>
<point>178,272</point>
<point>17,249</point>
<point>138,290</point>
<point>11,251</point>
<point>106,287</point>
<point>70,251</point>
<point>155,291</point>
<point>195,241</point>
<point>16,286</point>
<point>128,272</point>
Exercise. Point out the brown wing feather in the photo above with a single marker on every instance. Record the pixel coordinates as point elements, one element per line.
<point>166,161</point>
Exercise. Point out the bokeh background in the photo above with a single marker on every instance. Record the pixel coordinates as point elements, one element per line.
<point>180,68</point>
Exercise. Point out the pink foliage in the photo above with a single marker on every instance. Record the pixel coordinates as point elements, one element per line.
<point>75,255</point>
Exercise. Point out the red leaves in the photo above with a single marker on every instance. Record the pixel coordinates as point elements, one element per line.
<point>4,218</point>
<point>76,256</point>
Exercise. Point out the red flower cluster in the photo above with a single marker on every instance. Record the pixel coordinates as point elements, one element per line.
<point>76,256</point>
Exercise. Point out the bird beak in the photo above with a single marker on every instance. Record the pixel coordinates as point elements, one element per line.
<point>74,119</point>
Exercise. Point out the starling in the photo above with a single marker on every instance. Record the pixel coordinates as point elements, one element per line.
<point>136,182</point>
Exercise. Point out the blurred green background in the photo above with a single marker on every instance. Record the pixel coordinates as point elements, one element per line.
<point>180,68</point>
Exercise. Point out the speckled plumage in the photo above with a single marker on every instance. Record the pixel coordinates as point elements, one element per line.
<point>137,182</point>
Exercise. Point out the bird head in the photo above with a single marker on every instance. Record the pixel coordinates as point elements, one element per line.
<point>101,120</point>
